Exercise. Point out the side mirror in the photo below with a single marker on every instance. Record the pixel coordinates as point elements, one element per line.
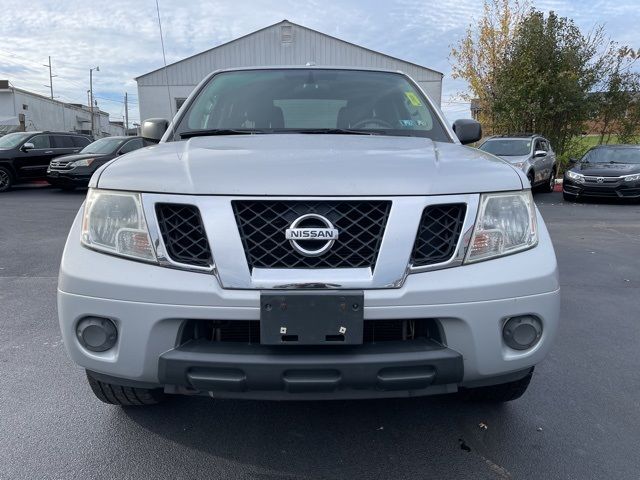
<point>573,161</point>
<point>467,130</point>
<point>153,129</point>
<point>28,146</point>
<point>539,153</point>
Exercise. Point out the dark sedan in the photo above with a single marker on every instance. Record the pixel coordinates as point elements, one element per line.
<point>605,171</point>
<point>70,171</point>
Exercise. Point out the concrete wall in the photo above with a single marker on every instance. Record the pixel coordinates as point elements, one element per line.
<point>284,43</point>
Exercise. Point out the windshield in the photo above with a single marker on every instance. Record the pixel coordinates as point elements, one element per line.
<point>12,140</point>
<point>612,155</point>
<point>507,147</point>
<point>104,145</point>
<point>304,100</point>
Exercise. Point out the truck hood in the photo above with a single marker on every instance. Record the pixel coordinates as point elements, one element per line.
<point>514,158</point>
<point>607,169</point>
<point>308,165</point>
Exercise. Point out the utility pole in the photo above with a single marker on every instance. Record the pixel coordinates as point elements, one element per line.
<point>50,77</point>
<point>126,114</point>
<point>97,69</point>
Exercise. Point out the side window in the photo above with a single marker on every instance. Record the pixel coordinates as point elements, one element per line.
<point>80,141</point>
<point>539,145</point>
<point>62,141</point>
<point>40,141</point>
<point>545,146</point>
<point>131,145</point>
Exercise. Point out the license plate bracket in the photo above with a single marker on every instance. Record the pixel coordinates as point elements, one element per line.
<point>311,318</point>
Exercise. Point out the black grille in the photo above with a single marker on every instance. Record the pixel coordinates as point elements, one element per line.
<point>438,234</point>
<point>248,331</point>
<point>183,234</point>
<point>262,226</point>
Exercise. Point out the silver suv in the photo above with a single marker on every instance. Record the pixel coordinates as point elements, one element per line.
<point>308,233</point>
<point>531,153</point>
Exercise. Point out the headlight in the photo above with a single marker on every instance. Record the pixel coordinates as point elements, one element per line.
<point>83,163</point>
<point>518,164</point>
<point>114,222</point>
<point>576,177</point>
<point>506,224</point>
<point>632,178</point>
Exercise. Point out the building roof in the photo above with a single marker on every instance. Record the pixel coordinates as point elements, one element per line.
<point>283,23</point>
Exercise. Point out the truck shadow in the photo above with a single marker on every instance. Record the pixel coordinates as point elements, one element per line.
<point>398,438</point>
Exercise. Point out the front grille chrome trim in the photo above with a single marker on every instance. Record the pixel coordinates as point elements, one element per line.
<point>230,264</point>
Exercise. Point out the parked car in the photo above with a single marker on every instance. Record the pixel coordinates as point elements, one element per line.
<point>25,156</point>
<point>531,153</point>
<point>611,171</point>
<point>70,171</point>
<point>308,233</point>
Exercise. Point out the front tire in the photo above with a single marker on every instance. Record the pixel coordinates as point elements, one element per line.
<point>504,392</point>
<point>124,396</point>
<point>6,179</point>
<point>551,183</point>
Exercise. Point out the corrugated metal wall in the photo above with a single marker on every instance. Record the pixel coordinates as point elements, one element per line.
<point>281,44</point>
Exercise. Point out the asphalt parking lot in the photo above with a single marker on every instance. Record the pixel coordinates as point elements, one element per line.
<point>579,418</point>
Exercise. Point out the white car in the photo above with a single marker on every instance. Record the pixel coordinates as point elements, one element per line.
<point>308,233</point>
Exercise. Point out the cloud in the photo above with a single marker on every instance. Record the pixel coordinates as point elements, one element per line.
<point>122,36</point>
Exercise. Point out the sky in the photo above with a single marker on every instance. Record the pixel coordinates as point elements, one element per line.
<point>122,37</point>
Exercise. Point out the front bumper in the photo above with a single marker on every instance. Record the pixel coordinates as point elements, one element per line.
<point>608,189</point>
<point>149,304</point>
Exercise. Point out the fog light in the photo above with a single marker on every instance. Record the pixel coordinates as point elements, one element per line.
<point>522,332</point>
<point>96,334</point>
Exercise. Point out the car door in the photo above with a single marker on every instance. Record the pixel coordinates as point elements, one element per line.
<point>539,163</point>
<point>551,157</point>
<point>33,163</point>
<point>63,145</point>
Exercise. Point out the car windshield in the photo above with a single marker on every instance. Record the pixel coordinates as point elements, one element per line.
<point>104,146</point>
<point>310,101</point>
<point>626,155</point>
<point>508,147</point>
<point>12,140</point>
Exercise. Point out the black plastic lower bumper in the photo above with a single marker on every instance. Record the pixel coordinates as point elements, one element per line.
<point>409,366</point>
<point>602,191</point>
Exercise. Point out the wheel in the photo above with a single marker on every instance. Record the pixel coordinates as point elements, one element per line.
<point>568,197</point>
<point>551,183</point>
<point>124,396</point>
<point>6,179</point>
<point>67,188</point>
<point>504,392</point>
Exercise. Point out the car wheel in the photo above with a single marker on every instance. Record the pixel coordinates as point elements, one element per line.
<point>504,392</point>
<point>568,197</point>
<point>67,188</point>
<point>6,179</point>
<point>124,396</point>
<point>551,183</point>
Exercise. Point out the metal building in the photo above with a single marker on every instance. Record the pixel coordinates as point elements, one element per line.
<point>284,43</point>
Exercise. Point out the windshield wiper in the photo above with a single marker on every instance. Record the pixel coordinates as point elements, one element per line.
<point>217,131</point>
<point>329,131</point>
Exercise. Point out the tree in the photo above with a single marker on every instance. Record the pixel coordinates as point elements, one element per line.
<point>480,55</point>
<point>618,110</point>
<point>545,81</point>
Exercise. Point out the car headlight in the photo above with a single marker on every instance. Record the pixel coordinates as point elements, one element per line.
<point>85,162</point>
<point>114,222</point>
<point>576,177</point>
<point>518,164</point>
<point>632,178</point>
<point>506,224</point>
